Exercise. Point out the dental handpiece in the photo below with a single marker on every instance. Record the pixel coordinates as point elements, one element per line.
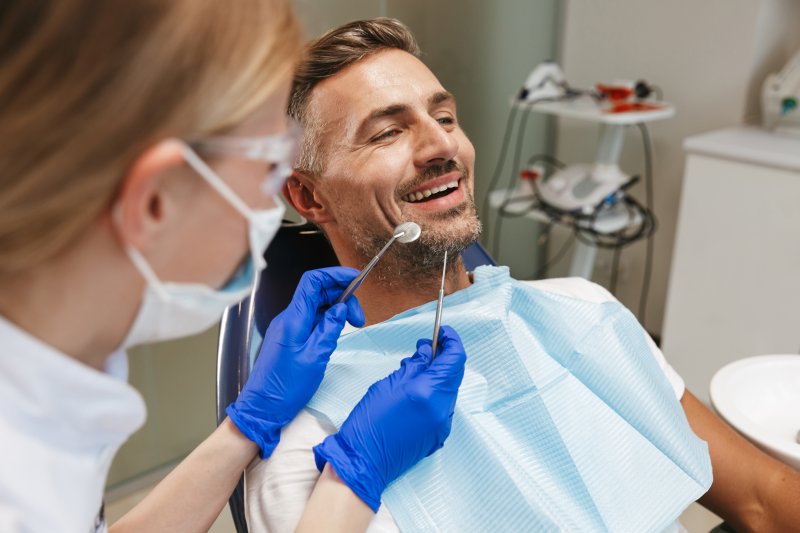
<point>404,233</point>
<point>439,303</point>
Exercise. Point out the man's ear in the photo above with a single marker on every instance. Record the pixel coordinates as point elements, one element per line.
<point>300,191</point>
<point>139,211</point>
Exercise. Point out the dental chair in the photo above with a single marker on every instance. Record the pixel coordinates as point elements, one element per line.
<point>296,249</point>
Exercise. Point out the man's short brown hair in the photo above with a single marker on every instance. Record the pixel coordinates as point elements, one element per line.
<point>326,56</point>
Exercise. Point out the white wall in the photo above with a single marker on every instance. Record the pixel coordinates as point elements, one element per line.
<point>319,16</point>
<point>706,55</point>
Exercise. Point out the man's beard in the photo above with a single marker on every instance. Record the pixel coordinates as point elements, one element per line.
<point>450,231</point>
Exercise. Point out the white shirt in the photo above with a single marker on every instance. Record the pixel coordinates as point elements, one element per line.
<point>276,491</point>
<point>61,422</point>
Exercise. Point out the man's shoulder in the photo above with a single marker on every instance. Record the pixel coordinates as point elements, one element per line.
<point>578,288</point>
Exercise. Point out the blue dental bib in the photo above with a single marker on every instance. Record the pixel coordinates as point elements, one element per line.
<point>564,420</point>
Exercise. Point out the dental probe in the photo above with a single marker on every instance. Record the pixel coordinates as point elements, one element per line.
<point>438,311</point>
<point>405,232</point>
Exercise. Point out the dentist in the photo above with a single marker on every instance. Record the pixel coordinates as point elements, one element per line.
<point>141,148</point>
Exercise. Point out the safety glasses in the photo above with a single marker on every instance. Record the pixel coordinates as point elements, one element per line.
<point>279,150</point>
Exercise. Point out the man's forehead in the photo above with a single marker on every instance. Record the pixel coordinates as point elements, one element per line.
<point>381,80</point>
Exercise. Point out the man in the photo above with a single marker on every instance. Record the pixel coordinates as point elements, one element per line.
<point>383,146</point>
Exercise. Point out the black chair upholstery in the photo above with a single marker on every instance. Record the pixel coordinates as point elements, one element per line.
<point>296,249</point>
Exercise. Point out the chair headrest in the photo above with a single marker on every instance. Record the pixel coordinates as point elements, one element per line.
<point>295,249</point>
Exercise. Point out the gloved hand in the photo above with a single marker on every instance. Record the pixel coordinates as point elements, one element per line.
<point>292,360</point>
<point>401,419</point>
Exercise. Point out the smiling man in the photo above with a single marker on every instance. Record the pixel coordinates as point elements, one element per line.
<point>569,416</point>
<point>384,146</point>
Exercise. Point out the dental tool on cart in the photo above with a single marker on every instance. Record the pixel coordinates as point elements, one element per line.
<point>591,199</point>
<point>404,233</point>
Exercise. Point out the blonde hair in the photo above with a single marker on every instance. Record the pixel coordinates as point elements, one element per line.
<point>325,57</point>
<point>86,86</point>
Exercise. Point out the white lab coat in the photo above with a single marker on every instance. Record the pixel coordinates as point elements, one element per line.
<point>61,422</point>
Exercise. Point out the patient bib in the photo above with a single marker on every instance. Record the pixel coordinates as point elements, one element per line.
<point>564,420</point>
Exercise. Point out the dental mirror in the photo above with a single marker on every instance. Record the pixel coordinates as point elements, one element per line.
<point>405,232</point>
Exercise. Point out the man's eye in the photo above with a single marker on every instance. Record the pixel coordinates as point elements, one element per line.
<point>446,121</point>
<point>385,135</point>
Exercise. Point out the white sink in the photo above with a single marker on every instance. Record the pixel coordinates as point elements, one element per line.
<point>760,397</point>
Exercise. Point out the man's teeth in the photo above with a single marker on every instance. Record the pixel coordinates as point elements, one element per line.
<point>419,195</point>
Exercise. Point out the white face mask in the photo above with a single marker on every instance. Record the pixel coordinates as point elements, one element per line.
<point>172,310</point>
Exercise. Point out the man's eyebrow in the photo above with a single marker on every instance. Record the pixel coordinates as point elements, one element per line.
<point>397,109</point>
<point>377,114</point>
<point>441,96</point>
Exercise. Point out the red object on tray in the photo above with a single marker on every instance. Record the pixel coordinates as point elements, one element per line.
<point>624,107</point>
<point>615,92</point>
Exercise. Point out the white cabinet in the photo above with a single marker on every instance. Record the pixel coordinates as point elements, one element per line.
<point>734,287</point>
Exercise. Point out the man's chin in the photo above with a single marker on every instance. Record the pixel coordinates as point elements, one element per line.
<point>458,225</point>
<point>422,258</point>
<point>454,240</point>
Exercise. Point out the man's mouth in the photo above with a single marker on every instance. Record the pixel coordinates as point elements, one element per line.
<point>432,193</point>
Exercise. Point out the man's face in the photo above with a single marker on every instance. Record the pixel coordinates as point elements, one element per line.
<point>394,152</point>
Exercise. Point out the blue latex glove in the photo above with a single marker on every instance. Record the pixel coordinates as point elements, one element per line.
<point>292,360</point>
<point>401,419</point>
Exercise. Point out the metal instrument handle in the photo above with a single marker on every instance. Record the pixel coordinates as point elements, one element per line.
<point>363,274</point>
<point>437,322</point>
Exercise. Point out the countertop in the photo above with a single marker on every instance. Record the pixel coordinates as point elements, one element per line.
<point>748,144</point>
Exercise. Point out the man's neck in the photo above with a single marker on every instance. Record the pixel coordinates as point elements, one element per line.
<point>381,301</point>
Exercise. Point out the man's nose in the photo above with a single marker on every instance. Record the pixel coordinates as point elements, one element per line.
<point>435,145</point>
